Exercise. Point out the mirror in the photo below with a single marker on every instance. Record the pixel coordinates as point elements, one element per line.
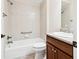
<point>67,16</point>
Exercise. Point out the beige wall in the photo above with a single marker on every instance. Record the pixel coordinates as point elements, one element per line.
<point>5,21</point>
<point>53,15</point>
<point>43,19</point>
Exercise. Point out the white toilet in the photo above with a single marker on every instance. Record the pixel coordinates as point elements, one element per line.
<point>39,50</point>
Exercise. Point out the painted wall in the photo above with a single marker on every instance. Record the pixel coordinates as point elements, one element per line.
<point>43,19</point>
<point>4,25</point>
<point>5,21</point>
<point>53,15</point>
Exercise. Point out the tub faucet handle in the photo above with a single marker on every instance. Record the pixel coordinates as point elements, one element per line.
<point>9,37</point>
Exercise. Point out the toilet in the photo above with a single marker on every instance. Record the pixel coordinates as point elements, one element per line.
<point>39,50</point>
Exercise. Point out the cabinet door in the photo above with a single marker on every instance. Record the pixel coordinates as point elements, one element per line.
<point>50,52</point>
<point>62,55</point>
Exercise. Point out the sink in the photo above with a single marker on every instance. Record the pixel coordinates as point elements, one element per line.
<point>63,34</point>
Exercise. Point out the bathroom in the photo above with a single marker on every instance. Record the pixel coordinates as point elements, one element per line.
<point>28,26</point>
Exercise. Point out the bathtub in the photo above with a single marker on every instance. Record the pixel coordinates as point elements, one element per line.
<point>21,48</point>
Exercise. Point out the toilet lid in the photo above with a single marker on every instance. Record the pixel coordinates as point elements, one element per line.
<point>40,45</point>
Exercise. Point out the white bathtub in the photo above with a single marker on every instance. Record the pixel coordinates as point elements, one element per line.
<point>21,48</point>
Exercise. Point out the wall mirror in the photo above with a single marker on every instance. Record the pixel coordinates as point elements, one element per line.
<point>67,15</point>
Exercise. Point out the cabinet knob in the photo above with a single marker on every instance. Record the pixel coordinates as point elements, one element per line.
<point>52,49</point>
<point>55,51</point>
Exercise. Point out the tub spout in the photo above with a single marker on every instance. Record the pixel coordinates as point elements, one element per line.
<point>10,42</point>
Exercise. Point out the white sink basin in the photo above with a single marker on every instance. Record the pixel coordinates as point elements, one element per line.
<point>63,34</point>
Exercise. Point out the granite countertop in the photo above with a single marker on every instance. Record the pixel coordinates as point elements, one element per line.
<point>68,40</point>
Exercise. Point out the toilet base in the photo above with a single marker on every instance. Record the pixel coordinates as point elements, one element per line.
<point>40,55</point>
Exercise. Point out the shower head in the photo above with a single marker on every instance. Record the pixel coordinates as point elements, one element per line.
<point>11,3</point>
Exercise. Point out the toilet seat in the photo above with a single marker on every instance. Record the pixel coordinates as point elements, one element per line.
<point>39,45</point>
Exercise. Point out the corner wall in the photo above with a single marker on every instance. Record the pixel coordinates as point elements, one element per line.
<point>53,15</point>
<point>43,19</point>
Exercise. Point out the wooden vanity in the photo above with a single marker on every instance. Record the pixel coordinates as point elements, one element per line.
<point>57,49</point>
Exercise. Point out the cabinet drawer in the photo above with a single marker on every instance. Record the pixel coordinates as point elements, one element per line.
<point>61,45</point>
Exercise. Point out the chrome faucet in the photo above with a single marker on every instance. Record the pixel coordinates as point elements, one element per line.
<point>9,37</point>
<point>10,42</point>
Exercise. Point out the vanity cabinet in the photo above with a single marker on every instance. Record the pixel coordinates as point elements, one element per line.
<point>57,49</point>
<point>62,55</point>
<point>51,52</point>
